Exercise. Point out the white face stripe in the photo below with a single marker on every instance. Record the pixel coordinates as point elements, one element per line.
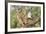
<point>29,14</point>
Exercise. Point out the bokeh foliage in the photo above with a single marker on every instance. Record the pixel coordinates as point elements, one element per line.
<point>35,11</point>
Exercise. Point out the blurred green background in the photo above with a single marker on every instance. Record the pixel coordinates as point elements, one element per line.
<point>35,11</point>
